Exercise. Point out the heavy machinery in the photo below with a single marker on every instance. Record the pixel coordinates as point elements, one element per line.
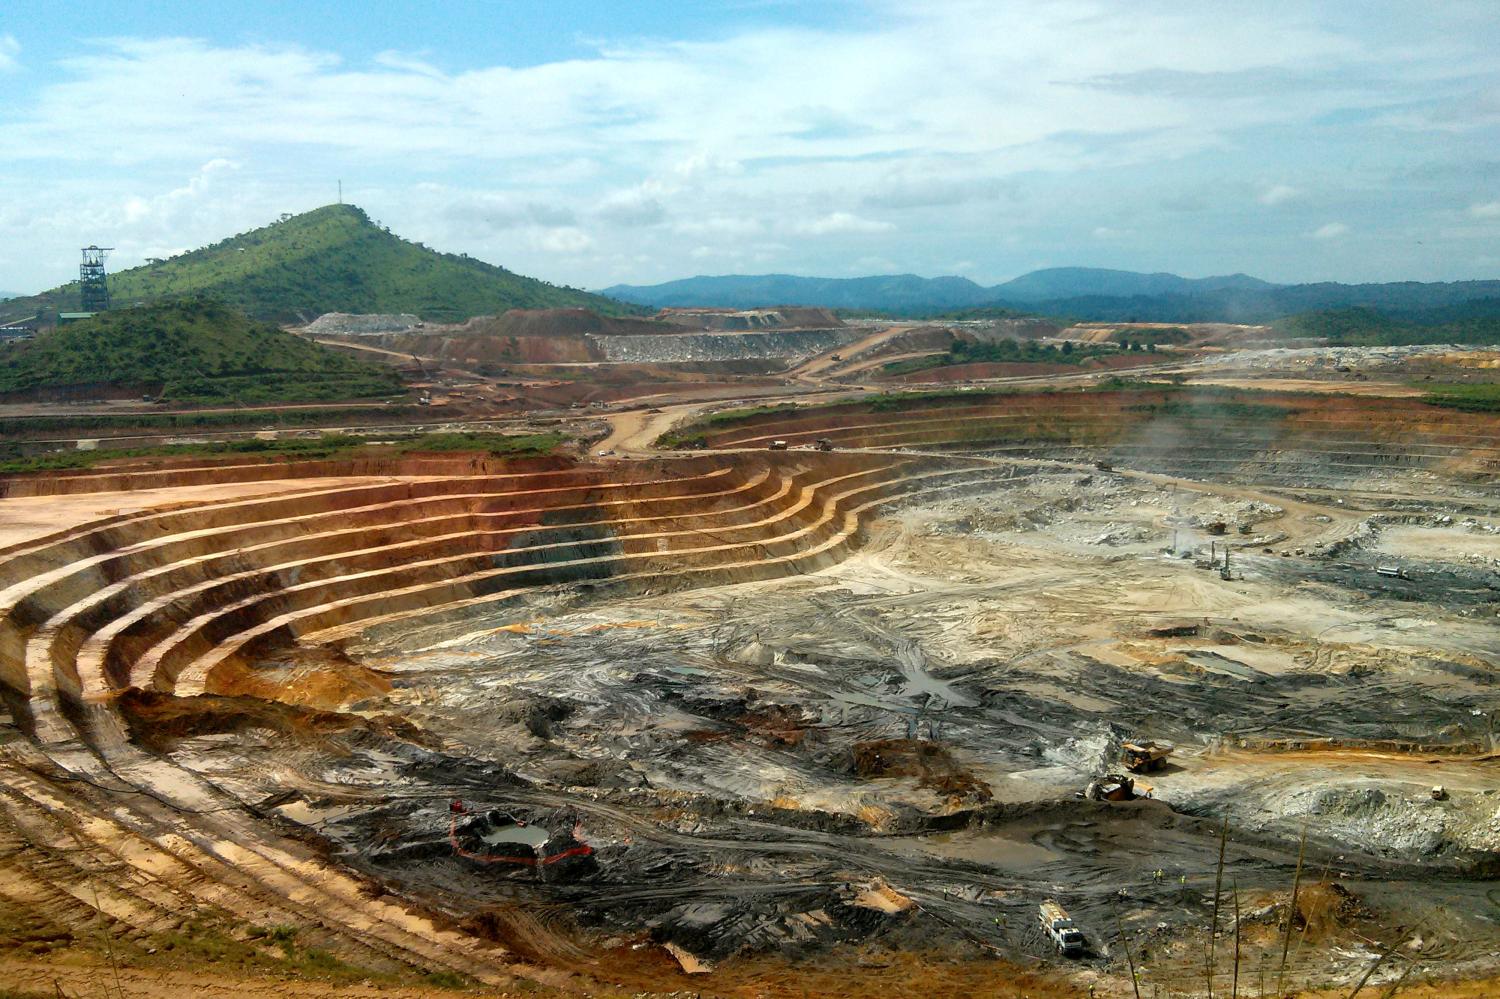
<point>1145,756</point>
<point>823,444</point>
<point>1111,787</point>
<point>1060,929</point>
<point>778,446</point>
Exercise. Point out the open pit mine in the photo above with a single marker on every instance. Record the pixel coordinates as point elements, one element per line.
<point>944,694</point>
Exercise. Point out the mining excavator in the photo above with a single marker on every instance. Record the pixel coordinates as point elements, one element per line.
<point>1110,787</point>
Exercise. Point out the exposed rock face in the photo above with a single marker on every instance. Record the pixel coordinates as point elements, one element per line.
<point>352,324</point>
<point>782,317</point>
<point>724,346</point>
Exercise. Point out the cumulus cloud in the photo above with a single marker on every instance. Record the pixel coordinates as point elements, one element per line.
<point>636,206</point>
<point>906,112</point>
<point>564,241</point>
<point>166,208</point>
<point>479,213</point>
<point>1485,210</point>
<point>1278,194</point>
<point>701,165</point>
<point>923,190</point>
<point>1333,230</point>
<point>836,223</point>
<point>732,226</point>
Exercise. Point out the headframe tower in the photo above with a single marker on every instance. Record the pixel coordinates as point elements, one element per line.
<point>93,288</point>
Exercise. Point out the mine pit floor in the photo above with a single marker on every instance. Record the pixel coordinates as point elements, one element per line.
<point>745,760</point>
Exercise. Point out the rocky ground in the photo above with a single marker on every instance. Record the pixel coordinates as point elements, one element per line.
<point>884,755</point>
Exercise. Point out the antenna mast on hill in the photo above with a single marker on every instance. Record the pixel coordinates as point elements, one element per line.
<point>93,289</point>
<point>341,192</point>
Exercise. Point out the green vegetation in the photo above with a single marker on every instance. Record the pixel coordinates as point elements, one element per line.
<point>1209,405</point>
<point>1367,327</point>
<point>1211,401</point>
<point>736,415</point>
<point>333,259</point>
<point>296,449</point>
<point>1002,351</point>
<point>193,351</point>
<point>1153,338</point>
<point>34,426</point>
<point>495,444</point>
<point>262,950</point>
<point>1474,398</point>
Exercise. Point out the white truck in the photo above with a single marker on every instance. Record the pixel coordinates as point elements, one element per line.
<point>1059,927</point>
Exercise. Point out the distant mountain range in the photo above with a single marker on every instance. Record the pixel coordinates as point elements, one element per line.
<point>331,259</point>
<point>1077,292</point>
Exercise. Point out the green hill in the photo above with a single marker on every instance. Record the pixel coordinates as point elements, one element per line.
<point>1367,327</point>
<point>188,350</point>
<point>332,259</point>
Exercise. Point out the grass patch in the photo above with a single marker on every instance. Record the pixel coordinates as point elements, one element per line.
<point>299,449</point>
<point>497,444</point>
<point>195,351</point>
<point>1214,407</point>
<point>1479,398</point>
<point>15,426</point>
<point>447,980</point>
<point>1191,401</point>
<point>264,949</point>
<point>1004,352</point>
<point>736,415</point>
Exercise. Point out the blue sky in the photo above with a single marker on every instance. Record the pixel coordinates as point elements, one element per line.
<point>594,143</point>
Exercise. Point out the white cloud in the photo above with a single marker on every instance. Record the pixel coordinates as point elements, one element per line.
<point>702,108</point>
<point>905,112</point>
<point>1105,232</point>
<point>634,207</point>
<point>1333,230</point>
<point>408,64</point>
<point>564,241</point>
<point>840,222</point>
<point>490,212</point>
<point>1278,194</point>
<point>732,226</point>
<point>715,253</point>
<point>1486,210</point>
<point>168,208</point>
<point>701,165</point>
<point>9,50</point>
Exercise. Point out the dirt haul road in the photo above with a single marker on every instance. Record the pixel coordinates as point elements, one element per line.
<point>815,369</point>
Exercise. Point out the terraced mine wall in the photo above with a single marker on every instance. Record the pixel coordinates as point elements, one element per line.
<point>1290,439</point>
<point>724,346</point>
<point>781,317</point>
<point>165,474</point>
<point>639,348</point>
<point>187,600</point>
